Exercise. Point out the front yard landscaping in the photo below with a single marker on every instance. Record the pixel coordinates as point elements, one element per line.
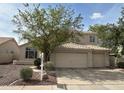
<point>51,80</point>
<point>10,75</point>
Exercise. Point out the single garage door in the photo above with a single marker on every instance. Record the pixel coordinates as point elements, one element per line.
<point>98,60</point>
<point>71,60</point>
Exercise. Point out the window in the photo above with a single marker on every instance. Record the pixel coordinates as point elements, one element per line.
<point>92,38</point>
<point>30,53</point>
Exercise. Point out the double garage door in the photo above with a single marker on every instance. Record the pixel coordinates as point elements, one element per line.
<point>78,60</point>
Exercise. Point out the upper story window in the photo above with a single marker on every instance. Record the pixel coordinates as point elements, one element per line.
<point>92,38</point>
<point>30,53</point>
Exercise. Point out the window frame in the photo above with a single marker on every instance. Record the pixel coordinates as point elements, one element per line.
<point>92,38</point>
<point>30,53</point>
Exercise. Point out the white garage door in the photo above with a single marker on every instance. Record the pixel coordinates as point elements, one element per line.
<point>71,60</point>
<point>98,60</point>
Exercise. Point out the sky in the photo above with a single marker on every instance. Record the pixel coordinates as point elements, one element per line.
<point>101,13</point>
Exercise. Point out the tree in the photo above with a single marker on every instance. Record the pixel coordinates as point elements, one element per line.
<point>112,35</point>
<point>121,29</point>
<point>47,28</point>
<point>109,34</point>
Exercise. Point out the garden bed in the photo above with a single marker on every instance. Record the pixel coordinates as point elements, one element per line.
<point>50,80</point>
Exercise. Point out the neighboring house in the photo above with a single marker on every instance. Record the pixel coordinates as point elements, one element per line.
<point>9,50</point>
<point>87,53</point>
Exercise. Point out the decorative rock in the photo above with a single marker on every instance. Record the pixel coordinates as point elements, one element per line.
<point>45,77</point>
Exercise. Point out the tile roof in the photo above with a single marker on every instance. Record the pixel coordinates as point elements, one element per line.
<point>5,39</point>
<point>78,46</point>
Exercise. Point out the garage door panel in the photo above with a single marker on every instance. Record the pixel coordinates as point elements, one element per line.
<point>71,60</point>
<point>98,60</point>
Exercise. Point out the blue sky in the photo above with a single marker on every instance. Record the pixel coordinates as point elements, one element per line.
<point>92,14</point>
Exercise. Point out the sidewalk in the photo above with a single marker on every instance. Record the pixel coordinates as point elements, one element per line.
<point>65,87</point>
<point>45,87</point>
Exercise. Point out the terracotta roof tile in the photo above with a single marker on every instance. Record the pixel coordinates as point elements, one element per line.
<point>78,46</point>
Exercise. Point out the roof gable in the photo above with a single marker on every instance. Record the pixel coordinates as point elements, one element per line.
<point>4,40</point>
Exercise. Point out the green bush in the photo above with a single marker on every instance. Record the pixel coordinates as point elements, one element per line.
<point>49,66</point>
<point>37,62</point>
<point>120,64</point>
<point>26,74</point>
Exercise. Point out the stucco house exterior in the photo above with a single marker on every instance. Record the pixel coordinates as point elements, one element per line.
<point>27,54</point>
<point>9,50</point>
<point>86,53</point>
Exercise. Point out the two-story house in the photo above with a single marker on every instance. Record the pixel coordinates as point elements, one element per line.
<point>85,54</point>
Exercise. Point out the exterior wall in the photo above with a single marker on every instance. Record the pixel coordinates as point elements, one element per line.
<point>85,39</point>
<point>9,51</point>
<point>90,59</point>
<point>22,58</point>
<point>107,60</point>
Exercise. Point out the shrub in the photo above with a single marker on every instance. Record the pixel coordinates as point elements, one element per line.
<point>26,74</point>
<point>37,62</point>
<point>120,64</point>
<point>49,66</point>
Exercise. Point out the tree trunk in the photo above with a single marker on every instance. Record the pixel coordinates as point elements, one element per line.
<point>117,60</point>
<point>46,56</point>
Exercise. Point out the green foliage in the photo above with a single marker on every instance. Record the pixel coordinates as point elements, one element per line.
<point>120,64</point>
<point>26,74</point>
<point>110,35</point>
<point>49,66</point>
<point>103,33</point>
<point>37,62</point>
<point>46,28</point>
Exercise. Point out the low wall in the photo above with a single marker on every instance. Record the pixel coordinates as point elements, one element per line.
<point>23,62</point>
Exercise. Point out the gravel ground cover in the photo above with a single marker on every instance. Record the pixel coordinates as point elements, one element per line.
<point>9,73</point>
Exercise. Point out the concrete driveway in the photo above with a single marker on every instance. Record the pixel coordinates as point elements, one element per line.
<point>91,78</point>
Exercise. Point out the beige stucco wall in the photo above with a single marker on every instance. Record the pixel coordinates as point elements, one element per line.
<point>90,59</point>
<point>22,54</point>
<point>6,49</point>
<point>85,39</point>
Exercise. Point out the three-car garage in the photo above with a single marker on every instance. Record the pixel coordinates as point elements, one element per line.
<point>73,55</point>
